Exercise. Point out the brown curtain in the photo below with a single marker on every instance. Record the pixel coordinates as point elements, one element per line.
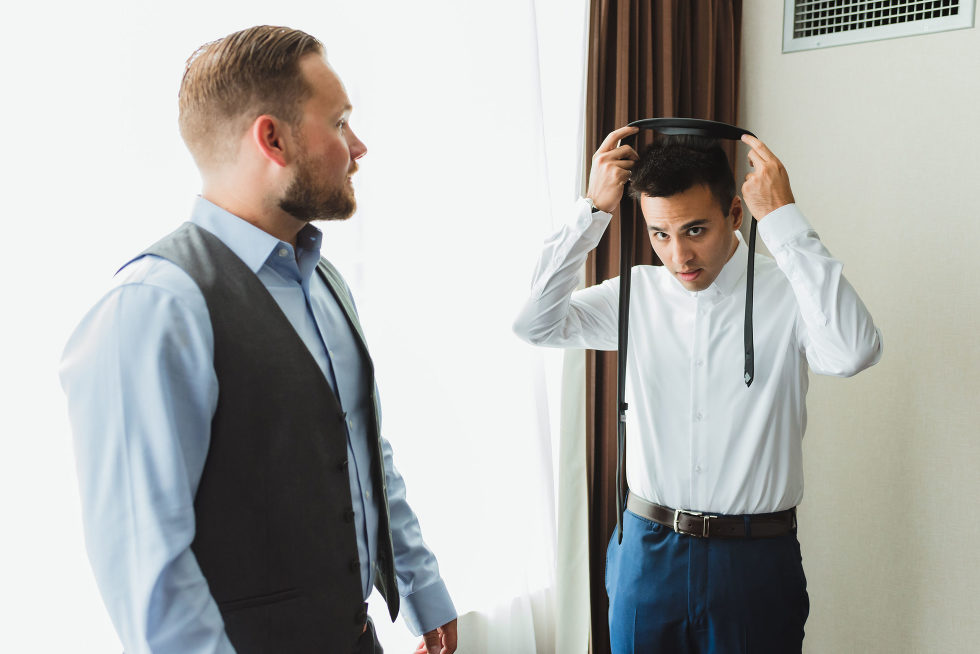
<point>647,59</point>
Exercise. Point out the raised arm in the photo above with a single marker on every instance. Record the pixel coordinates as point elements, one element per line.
<point>837,331</point>
<point>555,315</point>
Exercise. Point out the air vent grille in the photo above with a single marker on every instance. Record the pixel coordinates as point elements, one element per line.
<point>821,23</point>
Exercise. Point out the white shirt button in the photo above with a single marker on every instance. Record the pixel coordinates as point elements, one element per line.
<point>697,468</point>
<point>698,416</point>
<point>368,493</point>
<point>283,252</point>
<point>700,363</point>
<point>350,423</point>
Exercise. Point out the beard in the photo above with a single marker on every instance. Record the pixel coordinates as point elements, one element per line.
<point>307,198</point>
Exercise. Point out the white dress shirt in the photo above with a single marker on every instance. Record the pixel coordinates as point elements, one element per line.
<point>697,437</point>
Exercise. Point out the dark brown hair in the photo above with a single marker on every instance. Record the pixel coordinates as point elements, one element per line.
<point>230,82</point>
<point>675,163</point>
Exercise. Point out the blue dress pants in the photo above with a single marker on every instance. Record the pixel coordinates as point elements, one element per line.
<point>670,592</point>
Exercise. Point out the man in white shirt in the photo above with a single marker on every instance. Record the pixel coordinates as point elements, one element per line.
<point>709,560</point>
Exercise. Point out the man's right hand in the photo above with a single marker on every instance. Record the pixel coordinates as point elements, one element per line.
<point>611,165</point>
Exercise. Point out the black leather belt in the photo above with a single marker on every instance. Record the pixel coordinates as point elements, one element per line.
<point>701,525</point>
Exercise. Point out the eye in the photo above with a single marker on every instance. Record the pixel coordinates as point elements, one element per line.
<point>342,123</point>
<point>695,231</point>
<point>660,236</point>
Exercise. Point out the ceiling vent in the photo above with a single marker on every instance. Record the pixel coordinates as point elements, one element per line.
<point>810,24</point>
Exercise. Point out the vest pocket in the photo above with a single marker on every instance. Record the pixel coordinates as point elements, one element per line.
<point>259,600</point>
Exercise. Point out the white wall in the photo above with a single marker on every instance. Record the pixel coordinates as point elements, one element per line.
<point>881,143</point>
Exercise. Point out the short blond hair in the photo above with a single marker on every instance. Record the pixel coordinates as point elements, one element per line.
<point>230,82</point>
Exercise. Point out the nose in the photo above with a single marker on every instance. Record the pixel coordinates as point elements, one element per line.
<point>355,145</point>
<point>682,253</point>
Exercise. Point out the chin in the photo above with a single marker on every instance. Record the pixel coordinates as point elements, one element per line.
<point>696,285</point>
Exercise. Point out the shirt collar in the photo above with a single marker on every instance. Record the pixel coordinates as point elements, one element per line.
<point>249,243</point>
<point>734,269</point>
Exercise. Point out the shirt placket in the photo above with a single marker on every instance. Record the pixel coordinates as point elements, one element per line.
<point>699,396</point>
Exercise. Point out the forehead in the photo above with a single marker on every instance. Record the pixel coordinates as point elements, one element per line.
<point>328,90</point>
<point>696,203</point>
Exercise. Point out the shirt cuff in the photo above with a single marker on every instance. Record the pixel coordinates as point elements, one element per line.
<point>583,218</point>
<point>428,608</point>
<point>781,226</point>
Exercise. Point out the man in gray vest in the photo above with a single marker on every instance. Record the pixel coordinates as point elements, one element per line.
<point>237,494</point>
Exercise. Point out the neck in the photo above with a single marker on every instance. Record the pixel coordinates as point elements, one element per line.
<point>731,253</point>
<point>270,219</point>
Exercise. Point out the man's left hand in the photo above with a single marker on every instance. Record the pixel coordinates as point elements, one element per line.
<point>766,188</point>
<point>439,641</point>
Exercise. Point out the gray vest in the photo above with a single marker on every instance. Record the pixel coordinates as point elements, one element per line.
<point>275,537</point>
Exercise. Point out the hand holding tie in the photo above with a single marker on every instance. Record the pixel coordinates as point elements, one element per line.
<point>766,188</point>
<point>611,166</point>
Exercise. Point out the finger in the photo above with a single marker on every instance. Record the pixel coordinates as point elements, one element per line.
<point>449,638</point>
<point>421,649</point>
<point>758,147</point>
<point>623,152</point>
<point>614,137</point>
<point>625,164</point>
<point>755,159</point>
<point>432,642</point>
<point>610,159</point>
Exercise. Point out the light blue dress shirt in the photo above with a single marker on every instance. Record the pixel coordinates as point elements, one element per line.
<point>139,376</point>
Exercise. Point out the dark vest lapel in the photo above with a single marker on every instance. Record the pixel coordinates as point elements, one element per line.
<point>386,581</point>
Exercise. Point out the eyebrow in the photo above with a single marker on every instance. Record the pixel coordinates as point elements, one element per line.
<point>694,223</point>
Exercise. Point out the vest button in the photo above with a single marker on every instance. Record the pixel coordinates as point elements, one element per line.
<point>349,515</point>
<point>361,616</point>
<point>355,565</point>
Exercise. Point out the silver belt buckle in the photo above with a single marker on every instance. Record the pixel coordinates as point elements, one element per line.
<point>704,523</point>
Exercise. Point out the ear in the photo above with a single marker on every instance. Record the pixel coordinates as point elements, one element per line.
<point>736,212</point>
<point>269,137</point>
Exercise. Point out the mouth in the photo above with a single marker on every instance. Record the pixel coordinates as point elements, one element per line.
<point>690,276</point>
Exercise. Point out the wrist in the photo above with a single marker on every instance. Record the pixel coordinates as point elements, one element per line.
<point>592,205</point>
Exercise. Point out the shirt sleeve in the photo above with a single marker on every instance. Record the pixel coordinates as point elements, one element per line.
<point>556,314</point>
<point>141,391</point>
<point>425,600</point>
<point>836,332</point>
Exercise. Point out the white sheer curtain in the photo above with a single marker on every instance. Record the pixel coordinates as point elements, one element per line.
<point>472,117</point>
<point>474,137</point>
